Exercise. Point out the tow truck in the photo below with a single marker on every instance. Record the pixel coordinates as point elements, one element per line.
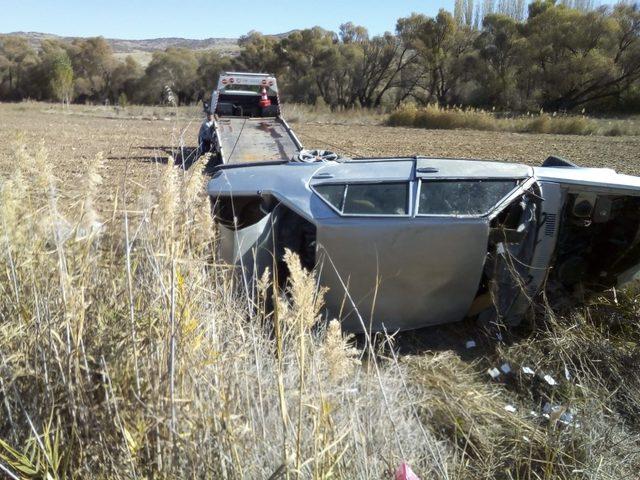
<point>248,123</point>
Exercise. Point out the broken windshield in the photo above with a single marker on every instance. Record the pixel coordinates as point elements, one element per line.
<point>462,197</point>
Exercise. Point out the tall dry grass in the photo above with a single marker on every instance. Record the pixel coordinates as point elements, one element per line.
<point>127,351</point>
<point>435,117</point>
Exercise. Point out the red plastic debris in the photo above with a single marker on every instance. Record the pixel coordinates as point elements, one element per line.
<point>404,472</point>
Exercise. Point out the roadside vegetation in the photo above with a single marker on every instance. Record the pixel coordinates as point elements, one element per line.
<point>127,352</point>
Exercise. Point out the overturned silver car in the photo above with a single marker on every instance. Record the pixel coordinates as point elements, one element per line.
<point>404,243</point>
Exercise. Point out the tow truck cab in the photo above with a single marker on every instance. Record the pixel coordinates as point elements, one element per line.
<point>246,95</point>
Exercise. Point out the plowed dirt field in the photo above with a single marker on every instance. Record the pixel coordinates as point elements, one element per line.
<point>135,141</point>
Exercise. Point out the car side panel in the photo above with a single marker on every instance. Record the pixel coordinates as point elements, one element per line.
<point>401,273</point>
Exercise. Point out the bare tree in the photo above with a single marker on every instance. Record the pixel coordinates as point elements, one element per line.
<point>582,5</point>
<point>468,13</point>
<point>488,7</point>
<point>458,11</point>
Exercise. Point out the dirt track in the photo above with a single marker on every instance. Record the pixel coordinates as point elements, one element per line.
<point>136,140</point>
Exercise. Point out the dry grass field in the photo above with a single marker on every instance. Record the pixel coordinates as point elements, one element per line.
<point>137,138</point>
<point>125,351</point>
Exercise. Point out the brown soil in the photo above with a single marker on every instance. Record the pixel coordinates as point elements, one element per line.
<point>138,140</point>
<point>620,153</point>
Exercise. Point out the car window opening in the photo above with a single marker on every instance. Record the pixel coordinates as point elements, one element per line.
<point>290,231</point>
<point>244,101</point>
<point>510,249</point>
<point>332,194</point>
<point>293,233</point>
<point>462,197</point>
<point>598,241</point>
<point>240,212</point>
<point>367,198</point>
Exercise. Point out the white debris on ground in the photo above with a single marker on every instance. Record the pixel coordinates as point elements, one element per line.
<point>558,413</point>
<point>494,372</point>
<point>470,344</point>
<point>554,414</point>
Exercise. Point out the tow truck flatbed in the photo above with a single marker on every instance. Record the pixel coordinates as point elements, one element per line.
<point>248,140</point>
<point>248,123</point>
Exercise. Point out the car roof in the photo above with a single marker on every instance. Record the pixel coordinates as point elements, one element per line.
<point>425,167</point>
<point>288,176</point>
<point>462,168</point>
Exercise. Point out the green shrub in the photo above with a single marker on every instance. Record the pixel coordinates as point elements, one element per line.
<point>123,101</point>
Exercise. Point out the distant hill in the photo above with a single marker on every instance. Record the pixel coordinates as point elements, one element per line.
<point>142,50</point>
<point>147,45</point>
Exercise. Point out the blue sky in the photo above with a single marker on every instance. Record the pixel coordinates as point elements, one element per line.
<point>134,19</point>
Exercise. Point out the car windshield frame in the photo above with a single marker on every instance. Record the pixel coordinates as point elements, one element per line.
<point>414,188</point>
<point>517,185</point>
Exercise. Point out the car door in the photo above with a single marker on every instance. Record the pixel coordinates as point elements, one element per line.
<point>400,267</point>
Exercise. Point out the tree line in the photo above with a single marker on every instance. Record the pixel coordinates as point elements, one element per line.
<point>505,55</point>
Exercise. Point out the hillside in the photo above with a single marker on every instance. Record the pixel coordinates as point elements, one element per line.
<point>146,45</point>
<point>142,50</point>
